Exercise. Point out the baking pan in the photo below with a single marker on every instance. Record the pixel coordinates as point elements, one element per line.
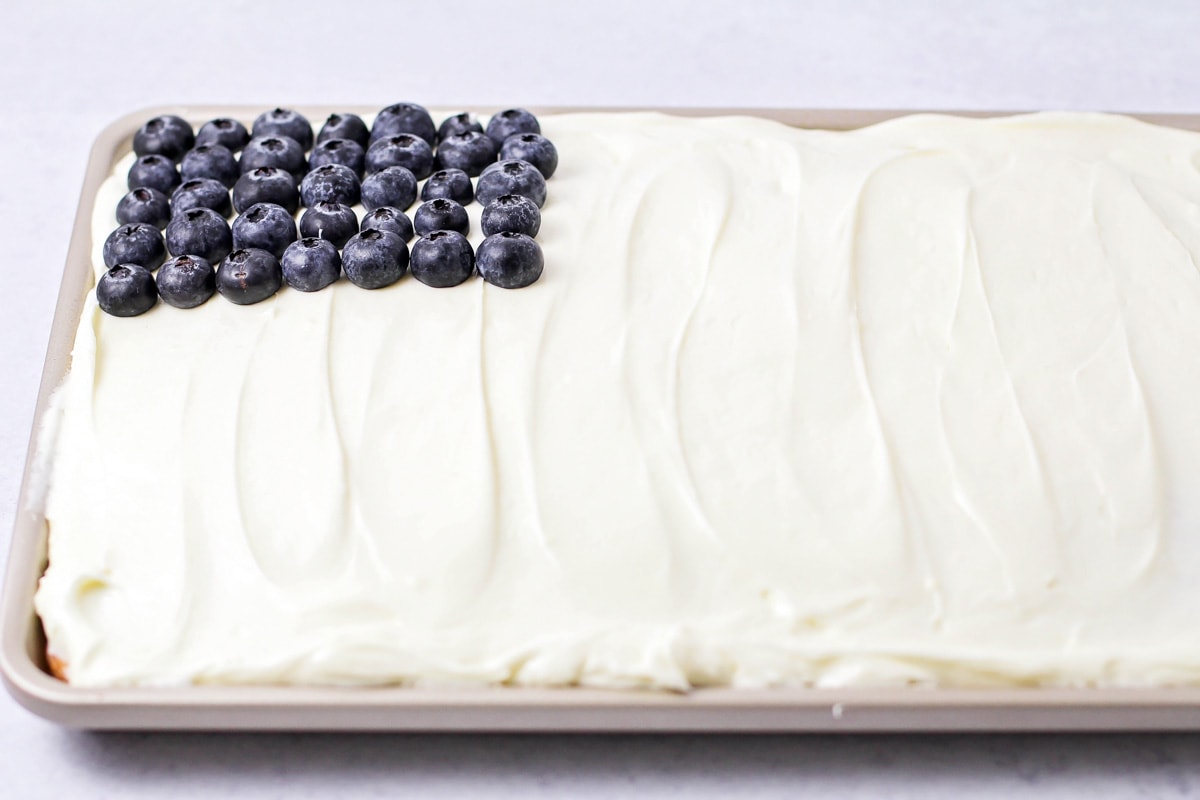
<point>22,644</point>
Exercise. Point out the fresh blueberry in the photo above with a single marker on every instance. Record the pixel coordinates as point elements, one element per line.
<point>345,126</point>
<point>441,215</point>
<point>201,193</point>
<point>443,258</point>
<point>331,183</point>
<point>223,131</point>
<point>332,221</point>
<point>264,226</point>
<point>144,205</point>
<point>404,118</point>
<point>402,150</point>
<point>386,218</point>
<point>137,243</point>
<point>284,122</point>
<point>512,213</point>
<point>266,185</point>
<point>509,260</point>
<point>126,290</point>
<point>394,186</point>
<point>459,123</point>
<point>346,152</point>
<point>167,135</point>
<point>453,184</point>
<point>511,177</point>
<point>514,120</point>
<point>374,259</point>
<point>534,148</point>
<point>274,151</point>
<point>470,151</point>
<point>186,281</point>
<point>311,264</point>
<point>154,172</point>
<point>214,161</point>
<point>199,232</point>
<point>249,276</point>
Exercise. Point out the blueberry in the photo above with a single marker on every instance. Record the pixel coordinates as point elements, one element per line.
<point>137,243</point>
<point>404,118</point>
<point>441,215</point>
<point>511,177</point>
<point>284,122</point>
<point>199,232</point>
<point>249,276</point>
<point>459,123</point>
<point>223,131</point>
<point>534,148</point>
<point>471,152</point>
<point>201,193</point>
<point>214,161</point>
<point>266,185</point>
<point>311,264</point>
<point>144,205</point>
<point>514,120</point>
<point>167,135</point>
<point>374,259</point>
<point>331,183</point>
<point>332,221</point>
<point>264,226</point>
<point>453,184</point>
<point>509,260</point>
<point>345,126</point>
<point>346,152</point>
<point>394,186</point>
<point>274,151</point>
<point>401,150</point>
<point>513,213</point>
<point>154,172</point>
<point>126,290</point>
<point>186,281</point>
<point>443,258</point>
<point>386,218</point>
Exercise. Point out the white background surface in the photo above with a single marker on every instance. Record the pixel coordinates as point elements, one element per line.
<point>67,69</point>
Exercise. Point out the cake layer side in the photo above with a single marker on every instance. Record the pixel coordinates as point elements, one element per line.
<point>913,403</point>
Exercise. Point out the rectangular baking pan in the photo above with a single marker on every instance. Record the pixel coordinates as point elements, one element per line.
<point>22,643</point>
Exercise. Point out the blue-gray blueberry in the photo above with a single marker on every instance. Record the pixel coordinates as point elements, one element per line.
<point>374,259</point>
<point>223,131</point>
<point>201,193</point>
<point>249,276</point>
<point>394,186</point>
<point>137,243</point>
<point>311,264</point>
<point>346,152</point>
<point>514,120</point>
<point>443,258</point>
<point>126,290</point>
<point>154,172</point>
<point>186,281</point>
<point>274,151</point>
<point>166,135</point>
<point>401,150</point>
<point>470,151</point>
<point>334,222</point>
<point>284,122</point>
<point>512,213</point>
<point>345,126</point>
<point>453,184</point>
<point>404,118</point>
<point>387,218</point>
<point>509,260</point>
<point>199,232</point>
<point>266,185</point>
<point>441,215</point>
<point>144,204</point>
<point>511,177</point>
<point>264,226</point>
<point>330,183</point>
<point>214,161</point>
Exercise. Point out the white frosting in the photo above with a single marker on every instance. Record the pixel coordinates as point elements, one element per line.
<point>916,403</point>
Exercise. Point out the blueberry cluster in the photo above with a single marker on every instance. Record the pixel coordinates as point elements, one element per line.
<point>175,240</point>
